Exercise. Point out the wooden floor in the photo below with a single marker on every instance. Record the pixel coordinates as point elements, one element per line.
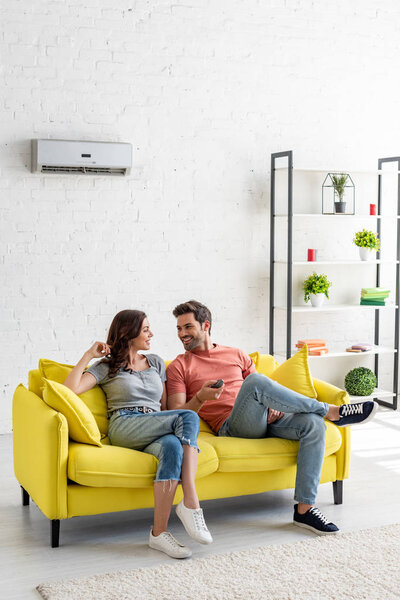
<point>105,543</point>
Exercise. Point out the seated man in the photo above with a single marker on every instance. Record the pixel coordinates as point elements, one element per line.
<point>250,405</point>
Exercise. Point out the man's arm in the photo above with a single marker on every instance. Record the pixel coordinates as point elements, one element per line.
<point>178,400</point>
<point>248,366</point>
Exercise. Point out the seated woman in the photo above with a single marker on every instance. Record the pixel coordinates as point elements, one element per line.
<point>134,385</point>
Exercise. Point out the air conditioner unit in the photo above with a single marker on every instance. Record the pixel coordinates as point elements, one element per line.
<point>91,158</point>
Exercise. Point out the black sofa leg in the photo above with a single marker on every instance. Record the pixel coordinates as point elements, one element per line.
<point>55,533</point>
<point>25,497</point>
<point>338,491</point>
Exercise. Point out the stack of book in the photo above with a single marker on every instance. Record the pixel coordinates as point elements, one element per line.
<point>374,296</point>
<point>315,347</point>
<point>360,348</point>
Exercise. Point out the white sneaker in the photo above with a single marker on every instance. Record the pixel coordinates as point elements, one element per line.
<point>194,523</point>
<point>165,542</point>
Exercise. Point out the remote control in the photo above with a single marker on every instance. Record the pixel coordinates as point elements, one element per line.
<point>219,384</point>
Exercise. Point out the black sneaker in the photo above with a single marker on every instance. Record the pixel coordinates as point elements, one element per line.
<point>356,413</point>
<point>314,519</point>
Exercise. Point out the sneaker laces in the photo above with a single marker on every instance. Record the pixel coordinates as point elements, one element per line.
<point>317,513</point>
<point>168,537</point>
<point>352,409</point>
<point>199,521</point>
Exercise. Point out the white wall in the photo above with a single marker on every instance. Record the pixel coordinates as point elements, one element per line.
<point>205,90</point>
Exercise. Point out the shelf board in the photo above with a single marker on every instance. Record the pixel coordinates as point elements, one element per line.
<point>334,307</point>
<point>378,393</point>
<point>340,353</point>
<point>337,216</point>
<point>339,262</point>
<point>350,171</point>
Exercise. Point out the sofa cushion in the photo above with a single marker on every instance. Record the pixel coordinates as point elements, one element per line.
<point>95,398</point>
<point>204,427</point>
<point>114,466</point>
<point>82,426</point>
<point>239,454</point>
<point>295,374</point>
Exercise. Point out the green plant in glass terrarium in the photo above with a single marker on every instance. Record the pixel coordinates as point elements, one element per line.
<point>339,185</point>
<point>339,189</point>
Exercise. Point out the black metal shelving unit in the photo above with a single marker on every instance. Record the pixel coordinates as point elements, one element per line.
<point>288,155</point>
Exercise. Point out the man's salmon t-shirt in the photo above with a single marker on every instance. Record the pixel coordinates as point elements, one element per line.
<point>188,372</point>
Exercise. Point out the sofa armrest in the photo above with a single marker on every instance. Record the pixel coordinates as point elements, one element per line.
<point>40,441</point>
<point>326,392</point>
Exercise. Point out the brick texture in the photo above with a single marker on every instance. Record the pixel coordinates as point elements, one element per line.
<point>205,91</point>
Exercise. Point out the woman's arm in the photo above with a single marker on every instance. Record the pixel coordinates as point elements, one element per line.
<point>164,397</point>
<point>78,381</point>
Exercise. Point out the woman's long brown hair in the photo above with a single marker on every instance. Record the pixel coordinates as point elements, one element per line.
<point>125,326</point>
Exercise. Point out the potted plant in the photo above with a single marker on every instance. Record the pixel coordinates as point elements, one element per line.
<point>367,241</point>
<point>339,185</point>
<point>316,288</point>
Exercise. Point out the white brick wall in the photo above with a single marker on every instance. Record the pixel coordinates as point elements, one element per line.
<point>205,90</point>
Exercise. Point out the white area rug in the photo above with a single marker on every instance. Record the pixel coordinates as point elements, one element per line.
<point>352,566</point>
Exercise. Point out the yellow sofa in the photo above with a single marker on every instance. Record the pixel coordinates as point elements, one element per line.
<point>66,478</point>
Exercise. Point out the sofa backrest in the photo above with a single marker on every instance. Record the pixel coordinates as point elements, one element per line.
<point>35,382</point>
<point>95,399</point>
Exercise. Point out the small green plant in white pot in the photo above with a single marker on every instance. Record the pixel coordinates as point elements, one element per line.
<point>316,288</point>
<point>367,241</point>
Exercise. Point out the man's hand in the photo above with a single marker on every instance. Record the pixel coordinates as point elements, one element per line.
<point>274,415</point>
<point>208,393</point>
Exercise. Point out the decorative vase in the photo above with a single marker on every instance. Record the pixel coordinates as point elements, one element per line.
<point>365,253</point>
<point>340,207</point>
<point>317,300</point>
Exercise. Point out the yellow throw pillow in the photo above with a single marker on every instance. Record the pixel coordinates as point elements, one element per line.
<point>265,363</point>
<point>81,423</point>
<point>295,374</point>
<point>50,369</point>
<point>95,398</point>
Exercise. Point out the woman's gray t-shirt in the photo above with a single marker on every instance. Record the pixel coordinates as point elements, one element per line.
<point>132,388</point>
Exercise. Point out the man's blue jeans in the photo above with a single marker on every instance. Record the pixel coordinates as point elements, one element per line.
<point>303,421</point>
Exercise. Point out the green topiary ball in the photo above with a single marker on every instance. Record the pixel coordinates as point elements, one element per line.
<point>360,382</point>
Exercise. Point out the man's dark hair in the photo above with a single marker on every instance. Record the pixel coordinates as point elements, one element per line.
<point>200,311</point>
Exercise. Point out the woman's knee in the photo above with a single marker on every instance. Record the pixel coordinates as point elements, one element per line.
<point>189,416</point>
<point>190,421</point>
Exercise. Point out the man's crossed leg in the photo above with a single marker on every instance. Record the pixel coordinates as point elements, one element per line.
<point>264,408</point>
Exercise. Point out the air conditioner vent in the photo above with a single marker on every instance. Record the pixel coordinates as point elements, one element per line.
<point>87,170</point>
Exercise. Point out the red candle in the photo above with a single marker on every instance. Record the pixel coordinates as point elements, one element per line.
<point>312,255</point>
<point>372,209</point>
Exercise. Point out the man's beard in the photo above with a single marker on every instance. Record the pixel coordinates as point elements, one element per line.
<point>195,341</point>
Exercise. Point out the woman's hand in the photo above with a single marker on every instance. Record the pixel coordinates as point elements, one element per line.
<point>99,350</point>
<point>274,415</point>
